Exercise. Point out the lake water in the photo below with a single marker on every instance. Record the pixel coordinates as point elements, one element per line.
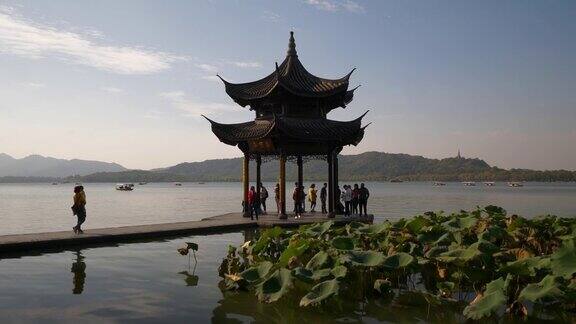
<point>149,282</point>
<point>31,208</point>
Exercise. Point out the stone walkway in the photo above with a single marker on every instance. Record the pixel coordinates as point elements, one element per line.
<point>217,224</point>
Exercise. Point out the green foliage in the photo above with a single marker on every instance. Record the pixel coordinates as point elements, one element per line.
<point>547,289</point>
<point>363,258</point>
<point>429,260</point>
<point>493,298</point>
<point>563,262</point>
<point>320,292</point>
<point>343,243</point>
<point>275,287</point>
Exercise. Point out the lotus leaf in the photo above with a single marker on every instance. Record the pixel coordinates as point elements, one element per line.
<point>318,261</point>
<point>294,249</point>
<point>192,246</point>
<point>276,286</point>
<point>436,251</point>
<point>343,243</point>
<point>493,233</point>
<point>490,301</point>
<point>364,258</point>
<point>375,229</point>
<point>526,266</point>
<point>547,289</point>
<point>416,224</point>
<point>318,229</point>
<point>256,273</point>
<point>563,262</point>
<point>461,223</point>
<point>320,292</point>
<point>399,260</point>
<point>339,272</point>
<point>308,275</point>
<point>459,255</point>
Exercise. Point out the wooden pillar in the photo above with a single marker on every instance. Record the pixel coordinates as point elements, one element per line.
<point>300,171</point>
<point>300,179</point>
<point>330,185</point>
<point>246,184</point>
<point>258,174</point>
<point>335,179</point>
<point>282,182</point>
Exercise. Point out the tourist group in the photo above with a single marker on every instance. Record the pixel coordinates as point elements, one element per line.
<point>353,200</point>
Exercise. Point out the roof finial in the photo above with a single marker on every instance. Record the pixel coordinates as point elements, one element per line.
<point>292,46</point>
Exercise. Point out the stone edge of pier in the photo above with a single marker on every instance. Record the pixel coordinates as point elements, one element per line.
<point>21,243</point>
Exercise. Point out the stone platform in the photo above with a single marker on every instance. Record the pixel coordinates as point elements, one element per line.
<point>211,225</point>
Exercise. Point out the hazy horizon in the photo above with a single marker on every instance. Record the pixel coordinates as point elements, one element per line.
<point>126,81</point>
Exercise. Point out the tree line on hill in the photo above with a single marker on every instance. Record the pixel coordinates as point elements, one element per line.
<point>369,166</point>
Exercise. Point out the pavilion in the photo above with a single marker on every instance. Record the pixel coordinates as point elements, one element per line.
<point>291,107</point>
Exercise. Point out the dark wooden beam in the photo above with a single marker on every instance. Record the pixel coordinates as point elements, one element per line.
<point>330,185</point>
<point>246,184</point>
<point>282,182</point>
<point>258,174</point>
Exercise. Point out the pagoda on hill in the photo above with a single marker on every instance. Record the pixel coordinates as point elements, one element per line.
<point>291,107</point>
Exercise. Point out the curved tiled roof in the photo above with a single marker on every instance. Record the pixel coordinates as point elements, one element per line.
<point>306,130</point>
<point>292,76</point>
<point>233,133</point>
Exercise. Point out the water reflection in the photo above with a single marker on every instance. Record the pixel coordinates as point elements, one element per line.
<point>79,271</point>
<point>190,279</point>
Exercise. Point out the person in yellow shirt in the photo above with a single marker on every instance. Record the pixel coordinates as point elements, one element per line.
<point>79,208</point>
<point>312,197</point>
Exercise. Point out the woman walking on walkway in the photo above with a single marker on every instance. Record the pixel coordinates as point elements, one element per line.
<point>79,208</point>
<point>312,197</point>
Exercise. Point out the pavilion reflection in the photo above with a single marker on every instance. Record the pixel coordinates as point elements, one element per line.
<point>79,271</point>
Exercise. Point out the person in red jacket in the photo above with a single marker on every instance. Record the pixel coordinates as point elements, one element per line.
<point>253,202</point>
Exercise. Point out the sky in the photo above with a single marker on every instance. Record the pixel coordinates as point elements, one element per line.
<point>126,81</point>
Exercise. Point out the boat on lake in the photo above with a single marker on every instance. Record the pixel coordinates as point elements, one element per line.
<point>515,184</point>
<point>125,186</point>
<point>142,183</point>
<point>438,183</point>
<point>469,183</point>
<point>489,183</point>
<point>177,183</point>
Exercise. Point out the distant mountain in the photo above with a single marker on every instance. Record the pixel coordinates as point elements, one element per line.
<point>369,166</point>
<point>40,166</point>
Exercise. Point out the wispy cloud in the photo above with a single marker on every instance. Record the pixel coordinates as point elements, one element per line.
<point>246,65</point>
<point>353,7</point>
<point>25,38</point>
<point>192,107</point>
<point>207,67</point>
<point>111,89</point>
<point>270,16</point>
<point>210,78</point>
<point>32,84</point>
<point>334,5</point>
